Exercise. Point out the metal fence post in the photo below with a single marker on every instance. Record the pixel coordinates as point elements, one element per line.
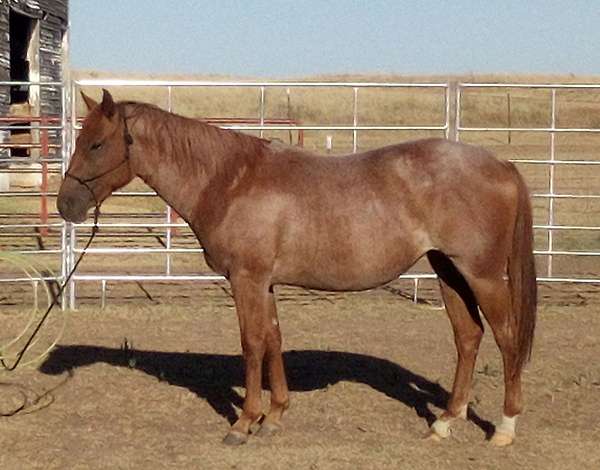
<point>262,111</point>
<point>65,142</point>
<point>45,152</point>
<point>68,145</point>
<point>355,120</point>
<point>169,215</point>
<point>551,184</point>
<point>452,116</point>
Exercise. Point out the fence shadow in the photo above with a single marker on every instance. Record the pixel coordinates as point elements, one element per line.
<point>213,376</point>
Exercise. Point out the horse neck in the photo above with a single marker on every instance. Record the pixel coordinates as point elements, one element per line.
<point>187,162</point>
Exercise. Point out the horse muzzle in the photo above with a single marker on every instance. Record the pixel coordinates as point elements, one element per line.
<point>74,201</point>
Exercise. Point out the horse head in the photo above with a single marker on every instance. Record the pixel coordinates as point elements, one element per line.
<point>100,163</point>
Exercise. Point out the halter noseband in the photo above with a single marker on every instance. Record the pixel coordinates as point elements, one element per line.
<point>84,182</point>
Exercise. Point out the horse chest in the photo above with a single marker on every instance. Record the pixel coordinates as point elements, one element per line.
<point>217,263</point>
<point>216,254</point>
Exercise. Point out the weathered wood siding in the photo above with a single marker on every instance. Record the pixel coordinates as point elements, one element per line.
<point>53,18</point>
<point>52,28</point>
<point>4,56</point>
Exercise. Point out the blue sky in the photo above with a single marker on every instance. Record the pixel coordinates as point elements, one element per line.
<point>279,39</point>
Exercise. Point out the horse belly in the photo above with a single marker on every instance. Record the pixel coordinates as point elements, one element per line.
<point>350,263</point>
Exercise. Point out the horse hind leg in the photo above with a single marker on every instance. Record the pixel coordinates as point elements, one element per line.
<point>463,313</point>
<point>494,299</point>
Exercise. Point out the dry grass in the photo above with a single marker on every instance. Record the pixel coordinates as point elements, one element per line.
<point>158,383</point>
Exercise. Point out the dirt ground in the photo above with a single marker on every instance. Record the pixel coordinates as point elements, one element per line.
<point>156,383</point>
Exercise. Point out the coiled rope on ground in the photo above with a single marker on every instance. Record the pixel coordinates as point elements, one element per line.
<point>9,350</point>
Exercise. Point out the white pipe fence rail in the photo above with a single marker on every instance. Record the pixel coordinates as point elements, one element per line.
<point>551,196</point>
<point>123,231</point>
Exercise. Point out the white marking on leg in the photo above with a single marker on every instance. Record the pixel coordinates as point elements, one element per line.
<point>441,427</point>
<point>507,426</point>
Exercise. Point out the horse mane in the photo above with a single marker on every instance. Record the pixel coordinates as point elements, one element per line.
<point>191,142</point>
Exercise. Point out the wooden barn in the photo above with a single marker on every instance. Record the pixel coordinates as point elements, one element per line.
<point>33,49</point>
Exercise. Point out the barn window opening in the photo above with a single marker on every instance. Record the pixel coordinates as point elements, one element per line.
<point>20,29</point>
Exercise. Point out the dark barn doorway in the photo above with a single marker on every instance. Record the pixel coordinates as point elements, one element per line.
<point>20,29</point>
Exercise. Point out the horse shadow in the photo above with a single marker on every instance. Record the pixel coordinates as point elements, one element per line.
<point>213,376</point>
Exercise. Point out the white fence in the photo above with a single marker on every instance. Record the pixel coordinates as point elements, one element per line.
<point>32,150</point>
<point>147,229</point>
<point>578,191</point>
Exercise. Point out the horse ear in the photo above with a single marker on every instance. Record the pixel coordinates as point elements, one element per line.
<point>89,102</point>
<point>108,104</point>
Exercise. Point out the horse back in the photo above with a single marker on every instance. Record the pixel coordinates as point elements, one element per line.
<point>356,221</point>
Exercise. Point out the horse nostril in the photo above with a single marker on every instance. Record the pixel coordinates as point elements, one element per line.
<point>62,204</point>
<point>65,206</point>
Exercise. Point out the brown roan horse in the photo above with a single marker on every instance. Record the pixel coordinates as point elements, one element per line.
<point>269,214</point>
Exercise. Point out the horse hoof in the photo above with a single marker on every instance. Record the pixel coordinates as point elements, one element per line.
<point>269,429</point>
<point>235,438</point>
<point>441,428</point>
<point>502,439</point>
<point>432,436</point>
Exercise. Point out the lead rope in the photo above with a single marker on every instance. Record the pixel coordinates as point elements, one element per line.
<point>56,297</point>
<point>95,228</point>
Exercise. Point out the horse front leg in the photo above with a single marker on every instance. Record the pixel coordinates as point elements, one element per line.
<point>277,381</point>
<point>252,305</point>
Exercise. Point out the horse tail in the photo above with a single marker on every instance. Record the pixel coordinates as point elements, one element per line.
<point>522,276</point>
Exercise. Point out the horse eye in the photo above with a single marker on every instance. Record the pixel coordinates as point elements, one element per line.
<point>96,146</point>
